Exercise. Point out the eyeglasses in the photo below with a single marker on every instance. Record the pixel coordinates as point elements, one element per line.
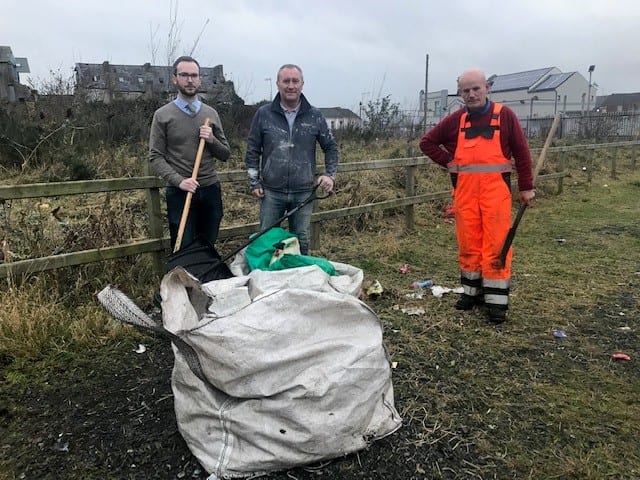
<point>192,76</point>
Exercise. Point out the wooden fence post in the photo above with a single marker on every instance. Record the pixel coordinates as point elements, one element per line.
<point>561,169</point>
<point>154,211</point>
<point>410,191</point>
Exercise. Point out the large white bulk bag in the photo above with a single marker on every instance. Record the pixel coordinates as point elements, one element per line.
<point>276,369</point>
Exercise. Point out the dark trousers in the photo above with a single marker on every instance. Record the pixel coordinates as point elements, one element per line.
<point>274,205</point>
<point>205,213</point>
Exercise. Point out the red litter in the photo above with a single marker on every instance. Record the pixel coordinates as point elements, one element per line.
<point>405,268</point>
<point>620,356</point>
<point>449,212</point>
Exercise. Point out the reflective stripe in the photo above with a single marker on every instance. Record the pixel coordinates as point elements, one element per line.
<point>493,299</point>
<point>496,291</point>
<point>479,168</point>
<point>471,291</point>
<point>471,282</point>
<point>497,283</point>
<point>471,275</point>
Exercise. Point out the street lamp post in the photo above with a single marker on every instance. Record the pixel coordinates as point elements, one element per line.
<point>591,69</point>
<point>270,87</point>
<point>535,97</point>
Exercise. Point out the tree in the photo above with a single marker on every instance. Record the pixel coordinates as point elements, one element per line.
<point>174,40</point>
<point>58,83</point>
<point>382,118</point>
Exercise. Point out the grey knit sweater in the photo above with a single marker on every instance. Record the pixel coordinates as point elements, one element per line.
<point>173,144</point>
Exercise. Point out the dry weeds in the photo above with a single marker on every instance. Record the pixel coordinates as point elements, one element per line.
<point>477,401</point>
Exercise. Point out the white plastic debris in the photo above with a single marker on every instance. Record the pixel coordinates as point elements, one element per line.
<point>416,295</point>
<point>413,311</point>
<point>141,348</point>
<point>438,290</point>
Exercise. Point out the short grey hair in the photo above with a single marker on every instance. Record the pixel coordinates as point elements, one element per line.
<point>289,65</point>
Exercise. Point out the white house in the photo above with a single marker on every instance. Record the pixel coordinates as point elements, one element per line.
<point>340,118</point>
<point>543,92</point>
<point>531,94</point>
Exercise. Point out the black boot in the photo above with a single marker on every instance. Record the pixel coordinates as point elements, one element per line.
<point>497,314</point>
<point>467,302</point>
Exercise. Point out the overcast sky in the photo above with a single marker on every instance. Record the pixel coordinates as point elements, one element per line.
<point>349,50</point>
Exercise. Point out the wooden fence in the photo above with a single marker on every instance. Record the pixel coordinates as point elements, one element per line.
<point>157,244</point>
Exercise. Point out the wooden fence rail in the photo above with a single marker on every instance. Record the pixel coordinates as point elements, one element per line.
<point>157,244</point>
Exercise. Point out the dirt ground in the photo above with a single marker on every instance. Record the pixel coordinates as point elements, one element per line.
<point>113,415</point>
<point>478,402</point>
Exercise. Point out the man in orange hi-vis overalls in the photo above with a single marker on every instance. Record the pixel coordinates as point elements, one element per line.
<point>476,144</point>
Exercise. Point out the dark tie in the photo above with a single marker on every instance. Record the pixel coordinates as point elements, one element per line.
<point>191,108</point>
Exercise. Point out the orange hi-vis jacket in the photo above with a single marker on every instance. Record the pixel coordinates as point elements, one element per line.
<point>482,205</point>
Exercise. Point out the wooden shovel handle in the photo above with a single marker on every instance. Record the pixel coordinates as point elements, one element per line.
<point>506,245</point>
<point>187,202</point>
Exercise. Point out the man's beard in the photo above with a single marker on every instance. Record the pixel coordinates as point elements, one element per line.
<point>186,93</point>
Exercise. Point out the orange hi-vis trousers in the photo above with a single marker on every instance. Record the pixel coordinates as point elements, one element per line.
<point>482,205</point>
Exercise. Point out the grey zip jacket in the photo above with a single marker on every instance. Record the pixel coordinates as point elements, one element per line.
<point>285,161</point>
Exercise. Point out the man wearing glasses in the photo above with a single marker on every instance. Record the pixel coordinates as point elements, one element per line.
<point>176,130</point>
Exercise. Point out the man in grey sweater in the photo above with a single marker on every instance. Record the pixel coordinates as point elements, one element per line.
<point>281,155</point>
<point>176,130</point>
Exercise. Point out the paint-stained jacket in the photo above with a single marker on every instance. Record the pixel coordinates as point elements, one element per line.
<point>285,161</point>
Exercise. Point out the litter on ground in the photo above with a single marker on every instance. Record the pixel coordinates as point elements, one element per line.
<point>375,289</point>
<point>620,356</point>
<point>438,290</point>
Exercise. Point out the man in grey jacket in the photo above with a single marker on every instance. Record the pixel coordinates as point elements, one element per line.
<point>281,155</point>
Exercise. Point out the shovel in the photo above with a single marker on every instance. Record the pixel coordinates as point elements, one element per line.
<point>523,206</point>
<point>187,202</point>
<point>201,259</point>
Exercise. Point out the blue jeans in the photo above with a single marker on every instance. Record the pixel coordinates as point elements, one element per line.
<point>274,205</point>
<point>205,213</point>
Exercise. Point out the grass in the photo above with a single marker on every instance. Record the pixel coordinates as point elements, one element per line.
<point>538,407</point>
<point>477,401</point>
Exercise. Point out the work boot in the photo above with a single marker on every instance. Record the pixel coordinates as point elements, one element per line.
<point>467,302</point>
<point>497,315</point>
